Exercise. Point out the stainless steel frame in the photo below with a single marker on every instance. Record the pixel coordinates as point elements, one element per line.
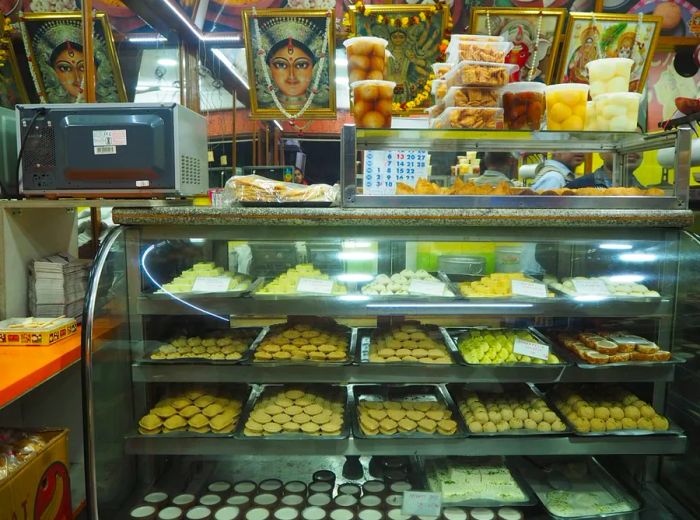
<point>354,140</point>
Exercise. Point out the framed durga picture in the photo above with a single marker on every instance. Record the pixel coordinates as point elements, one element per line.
<point>590,36</point>
<point>291,63</point>
<point>415,34</point>
<point>535,34</point>
<point>54,45</point>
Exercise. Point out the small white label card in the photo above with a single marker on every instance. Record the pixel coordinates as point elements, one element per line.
<point>315,286</point>
<point>421,503</point>
<point>211,284</point>
<point>590,286</point>
<point>525,288</point>
<point>530,348</point>
<point>426,287</point>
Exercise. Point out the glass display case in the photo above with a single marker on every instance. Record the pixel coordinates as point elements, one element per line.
<point>381,167</point>
<point>252,344</point>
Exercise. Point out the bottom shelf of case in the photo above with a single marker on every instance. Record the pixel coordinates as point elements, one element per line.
<point>475,446</point>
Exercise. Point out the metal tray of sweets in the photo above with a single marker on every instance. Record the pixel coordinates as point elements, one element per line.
<point>436,333</point>
<point>349,360</point>
<point>424,465</point>
<point>258,334</point>
<point>411,394</point>
<point>330,391</point>
<point>457,391</point>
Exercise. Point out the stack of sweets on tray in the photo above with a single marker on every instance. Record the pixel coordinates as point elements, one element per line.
<point>469,94</point>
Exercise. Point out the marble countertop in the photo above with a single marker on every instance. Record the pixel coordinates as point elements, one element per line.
<point>487,217</point>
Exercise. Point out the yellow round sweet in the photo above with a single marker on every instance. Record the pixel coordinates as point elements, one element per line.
<point>559,112</point>
<point>572,123</point>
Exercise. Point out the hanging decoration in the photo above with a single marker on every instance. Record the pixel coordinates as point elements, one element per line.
<point>418,36</point>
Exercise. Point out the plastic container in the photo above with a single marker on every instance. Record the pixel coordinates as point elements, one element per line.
<point>609,75</point>
<point>566,106</point>
<point>438,89</point>
<point>590,125</point>
<point>469,117</point>
<point>473,97</point>
<point>440,69</point>
<point>372,102</point>
<point>523,105</point>
<point>478,50</point>
<point>617,112</point>
<point>480,74</point>
<point>366,58</point>
<point>509,259</point>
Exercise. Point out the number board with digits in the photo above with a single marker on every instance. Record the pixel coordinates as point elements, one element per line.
<point>383,169</point>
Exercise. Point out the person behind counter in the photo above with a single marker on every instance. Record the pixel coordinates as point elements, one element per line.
<point>602,177</point>
<point>558,171</point>
<point>499,168</point>
<point>299,177</point>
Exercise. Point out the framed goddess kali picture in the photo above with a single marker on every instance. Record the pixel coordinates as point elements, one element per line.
<point>291,63</point>
<point>415,34</point>
<point>54,45</point>
<point>591,36</point>
<point>535,34</point>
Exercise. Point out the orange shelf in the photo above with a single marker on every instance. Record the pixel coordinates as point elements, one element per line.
<point>24,368</point>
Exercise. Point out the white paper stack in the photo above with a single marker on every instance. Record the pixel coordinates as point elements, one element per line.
<point>57,286</point>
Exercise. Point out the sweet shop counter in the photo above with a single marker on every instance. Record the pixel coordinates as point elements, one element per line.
<point>324,364</point>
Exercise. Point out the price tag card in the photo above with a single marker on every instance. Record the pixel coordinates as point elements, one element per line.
<point>211,284</point>
<point>421,503</point>
<point>315,286</point>
<point>530,348</point>
<point>591,286</point>
<point>532,289</point>
<point>426,287</point>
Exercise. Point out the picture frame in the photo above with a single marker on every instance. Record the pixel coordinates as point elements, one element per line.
<point>519,26</point>
<point>413,48</point>
<point>53,42</point>
<point>593,35</point>
<point>12,89</point>
<point>284,87</point>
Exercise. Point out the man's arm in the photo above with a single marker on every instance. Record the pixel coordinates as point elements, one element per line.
<point>550,181</point>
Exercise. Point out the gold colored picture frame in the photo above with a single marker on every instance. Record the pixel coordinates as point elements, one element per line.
<point>49,38</point>
<point>413,70</point>
<point>290,84</point>
<point>509,21</point>
<point>593,35</point>
<point>12,89</point>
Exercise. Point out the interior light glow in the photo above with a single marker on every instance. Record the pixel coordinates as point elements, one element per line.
<point>357,255</point>
<point>354,277</point>
<point>455,305</point>
<point>357,244</point>
<point>147,39</point>
<point>353,298</point>
<point>638,257</point>
<point>341,62</point>
<point>615,246</point>
<point>590,298</point>
<point>197,240</point>
<point>230,66</point>
<point>626,278</point>
<point>277,124</point>
<point>342,81</point>
<point>167,62</point>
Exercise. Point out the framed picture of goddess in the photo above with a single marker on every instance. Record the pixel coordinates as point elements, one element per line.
<point>54,45</point>
<point>291,63</point>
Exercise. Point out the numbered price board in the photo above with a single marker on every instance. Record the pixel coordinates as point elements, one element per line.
<point>383,169</point>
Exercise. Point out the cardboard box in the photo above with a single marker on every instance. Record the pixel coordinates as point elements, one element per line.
<point>40,489</point>
<point>39,332</point>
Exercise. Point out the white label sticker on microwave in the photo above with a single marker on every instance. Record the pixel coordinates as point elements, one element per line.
<point>105,150</point>
<point>109,138</point>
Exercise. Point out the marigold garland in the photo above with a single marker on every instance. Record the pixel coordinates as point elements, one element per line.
<point>407,21</point>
